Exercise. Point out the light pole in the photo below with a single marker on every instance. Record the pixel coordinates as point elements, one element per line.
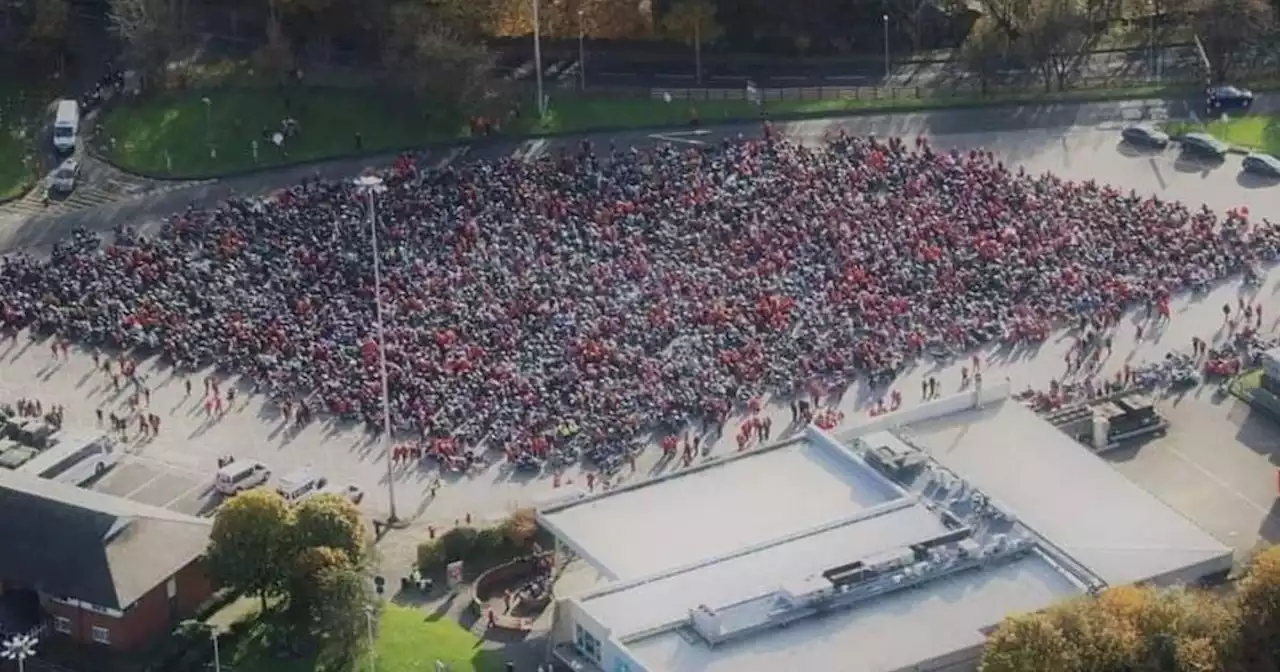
<point>582,49</point>
<point>373,655</point>
<point>217,658</point>
<point>19,648</point>
<point>885,18</point>
<point>537,60</point>
<point>697,47</point>
<point>372,185</point>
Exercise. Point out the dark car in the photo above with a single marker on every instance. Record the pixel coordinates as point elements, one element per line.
<point>1262,164</point>
<point>1146,136</point>
<point>1220,99</point>
<point>1203,144</point>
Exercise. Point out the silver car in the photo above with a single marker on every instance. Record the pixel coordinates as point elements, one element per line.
<point>64,178</point>
<point>1146,136</point>
<point>1204,144</point>
<point>1262,164</point>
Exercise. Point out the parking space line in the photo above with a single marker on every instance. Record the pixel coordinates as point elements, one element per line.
<point>1230,489</point>
<point>144,486</point>
<point>186,494</point>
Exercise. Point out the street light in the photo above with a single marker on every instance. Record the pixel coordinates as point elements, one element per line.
<point>885,18</point>
<point>19,648</point>
<point>373,655</point>
<point>537,60</point>
<point>582,50</point>
<point>217,658</point>
<point>371,185</point>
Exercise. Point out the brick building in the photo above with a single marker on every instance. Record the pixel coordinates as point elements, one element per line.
<point>103,570</point>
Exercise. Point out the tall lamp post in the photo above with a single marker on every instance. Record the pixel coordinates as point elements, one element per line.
<point>373,655</point>
<point>217,656</point>
<point>885,19</point>
<point>371,185</point>
<point>537,60</point>
<point>19,648</point>
<point>582,49</point>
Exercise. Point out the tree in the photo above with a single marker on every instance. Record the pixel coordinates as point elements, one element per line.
<point>433,62</point>
<point>1258,600</point>
<point>151,31</point>
<point>249,547</point>
<point>1027,643</point>
<point>1062,34</point>
<point>1230,30</point>
<point>985,51</point>
<point>344,601</point>
<point>520,528</point>
<point>330,521</point>
<point>693,22</point>
<point>47,33</point>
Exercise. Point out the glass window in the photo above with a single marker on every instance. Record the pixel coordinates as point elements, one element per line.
<point>62,624</point>
<point>101,635</point>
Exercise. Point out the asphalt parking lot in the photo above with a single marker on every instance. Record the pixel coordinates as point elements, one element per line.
<point>1217,465</point>
<point>160,484</point>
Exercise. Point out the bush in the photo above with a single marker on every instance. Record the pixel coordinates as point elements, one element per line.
<point>459,543</point>
<point>520,528</point>
<point>431,557</point>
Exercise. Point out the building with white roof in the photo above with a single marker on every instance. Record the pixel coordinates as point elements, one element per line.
<point>894,546</point>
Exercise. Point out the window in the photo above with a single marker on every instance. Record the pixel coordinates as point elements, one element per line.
<point>621,665</point>
<point>586,643</point>
<point>171,587</point>
<point>62,624</point>
<point>101,635</point>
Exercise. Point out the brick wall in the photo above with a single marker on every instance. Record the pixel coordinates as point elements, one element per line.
<point>151,616</point>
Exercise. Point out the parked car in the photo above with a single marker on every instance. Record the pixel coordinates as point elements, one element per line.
<point>64,178</point>
<point>1205,145</point>
<point>237,475</point>
<point>1220,99</point>
<point>351,492</point>
<point>1146,136</point>
<point>1262,164</point>
<point>298,485</point>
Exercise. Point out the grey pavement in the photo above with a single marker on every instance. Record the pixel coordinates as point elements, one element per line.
<point>36,228</point>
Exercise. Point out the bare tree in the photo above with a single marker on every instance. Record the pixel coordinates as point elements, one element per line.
<point>151,31</point>
<point>1231,31</point>
<point>1062,35</point>
<point>432,61</point>
<point>985,51</point>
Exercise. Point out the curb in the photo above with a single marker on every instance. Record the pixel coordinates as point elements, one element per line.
<point>917,105</point>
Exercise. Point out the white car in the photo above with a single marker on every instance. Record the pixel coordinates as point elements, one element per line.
<point>64,177</point>
<point>238,475</point>
<point>297,486</point>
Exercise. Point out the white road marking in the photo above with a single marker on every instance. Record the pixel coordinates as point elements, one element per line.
<point>188,493</point>
<point>1264,510</point>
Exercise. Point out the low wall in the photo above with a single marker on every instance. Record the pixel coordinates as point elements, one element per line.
<point>486,586</point>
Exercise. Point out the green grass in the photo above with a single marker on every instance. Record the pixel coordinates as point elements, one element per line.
<point>1260,131</point>
<point>20,112</point>
<point>407,641</point>
<point>172,134</point>
<point>169,135</point>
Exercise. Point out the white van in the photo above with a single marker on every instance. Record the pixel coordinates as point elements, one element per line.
<point>241,475</point>
<point>299,485</point>
<point>65,125</point>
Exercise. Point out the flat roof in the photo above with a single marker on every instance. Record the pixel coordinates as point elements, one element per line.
<point>693,516</point>
<point>743,577</point>
<point>1116,529</point>
<point>895,632</point>
<point>740,534</point>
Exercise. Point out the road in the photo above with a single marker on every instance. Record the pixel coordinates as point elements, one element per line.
<point>1076,141</point>
<point>33,227</point>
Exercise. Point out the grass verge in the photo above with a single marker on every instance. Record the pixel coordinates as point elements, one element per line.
<point>1260,131</point>
<point>179,135</point>
<point>20,112</point>
<point>407,640</point>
